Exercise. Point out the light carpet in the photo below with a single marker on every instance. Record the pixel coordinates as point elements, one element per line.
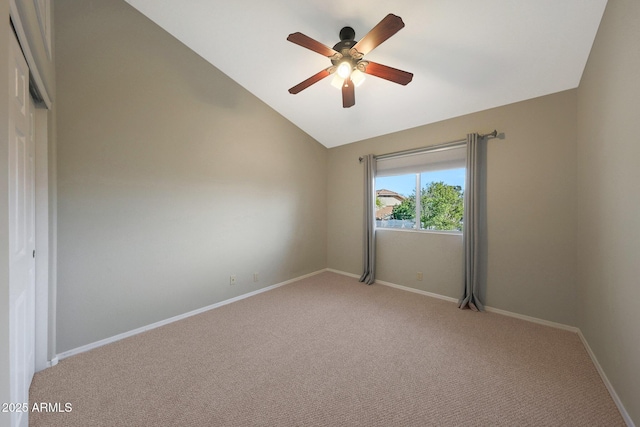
<point>329,351</point>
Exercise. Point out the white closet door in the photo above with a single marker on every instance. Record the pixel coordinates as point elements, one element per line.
<point>21,235</point>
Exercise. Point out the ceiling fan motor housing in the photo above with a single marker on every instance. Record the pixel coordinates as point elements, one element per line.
<point>347,35</point>
<point>344,47</point>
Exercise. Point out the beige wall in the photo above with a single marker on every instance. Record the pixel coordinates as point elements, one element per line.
<point>171,177</point>
<point>608,160</point>
<point>528,249</point>
<point>152,139</point>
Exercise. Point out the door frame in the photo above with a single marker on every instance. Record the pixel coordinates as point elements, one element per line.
<point>45,206</point>
<point>42,318</point>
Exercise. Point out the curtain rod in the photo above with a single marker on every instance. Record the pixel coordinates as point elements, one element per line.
<point>449,144</point>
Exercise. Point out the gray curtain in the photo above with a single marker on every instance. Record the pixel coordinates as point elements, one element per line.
<point>470,230</point>
<point>369,250</point>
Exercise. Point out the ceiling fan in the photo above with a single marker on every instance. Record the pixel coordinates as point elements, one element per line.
<point>347,59</point>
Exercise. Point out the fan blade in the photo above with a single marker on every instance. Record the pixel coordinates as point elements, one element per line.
<point>348,93</point>
<point>311,80</point>
<point>311,44</point>
<point>390,25</point>
<point>388,73</point>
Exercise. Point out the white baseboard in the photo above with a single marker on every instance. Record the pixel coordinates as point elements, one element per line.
<point>607,383</point>
<point>344,273</point>
<point>418,291</point>
<point>612,392</point>
<point>393,285</point>
<point>623,412</point>
<point>532,319</point>
<point>136,331</point>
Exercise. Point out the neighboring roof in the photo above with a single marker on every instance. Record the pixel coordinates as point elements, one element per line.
<point>388,193</point>
<point>384,213</point>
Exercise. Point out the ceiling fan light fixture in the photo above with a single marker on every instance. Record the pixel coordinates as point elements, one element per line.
<point>344,69</point>
<point>357,77</point>
<point>337,81</point>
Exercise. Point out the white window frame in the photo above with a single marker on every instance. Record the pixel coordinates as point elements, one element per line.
<point>430,159</point>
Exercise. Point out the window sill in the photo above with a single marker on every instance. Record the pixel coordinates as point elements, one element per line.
<point>411,230</point>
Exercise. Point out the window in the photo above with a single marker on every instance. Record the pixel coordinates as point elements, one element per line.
<point>428,185</point>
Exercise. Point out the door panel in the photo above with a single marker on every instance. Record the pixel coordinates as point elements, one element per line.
<point>21,234</point>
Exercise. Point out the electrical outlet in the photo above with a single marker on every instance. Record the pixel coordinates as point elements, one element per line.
<point>419,275</point>
<point>255,277</point>
<point>232,280</point>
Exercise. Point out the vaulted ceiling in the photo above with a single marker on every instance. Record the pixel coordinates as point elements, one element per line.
<point>466,55</point>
